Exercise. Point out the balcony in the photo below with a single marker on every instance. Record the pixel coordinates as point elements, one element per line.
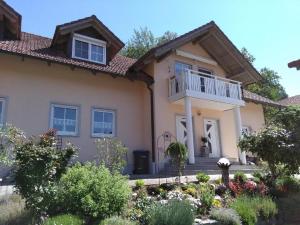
<point>206,87</point>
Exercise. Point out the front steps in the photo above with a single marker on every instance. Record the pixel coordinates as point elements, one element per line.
<point>208,166</point>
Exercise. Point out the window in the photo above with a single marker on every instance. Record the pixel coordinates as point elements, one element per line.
<point>180,68</point>
<point>64,119</point>
<point>202,70</point>
<point>103,123</point>
<point>2,111</point>
<point>87,48</point>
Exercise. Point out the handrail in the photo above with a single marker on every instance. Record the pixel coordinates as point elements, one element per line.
<point>210,85</point>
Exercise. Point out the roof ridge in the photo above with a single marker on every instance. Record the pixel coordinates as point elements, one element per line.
<point>37,35</point>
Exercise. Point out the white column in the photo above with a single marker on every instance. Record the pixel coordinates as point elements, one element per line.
<point>189,128</point>
<point>238,125</point>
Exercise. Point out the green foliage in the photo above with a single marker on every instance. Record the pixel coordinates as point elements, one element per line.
<point>111,153</point>
<point>226,216</point>
<point>202,177</point>
<point>275,145</point>
<point>243,206</point>
<point>207,195</point>
<point>143,40</point>
<point>140,211</point>
<point>240,177</point>
<point>286,184</point>
<point>173,213</point>
<point>39,165</point>
<point>93,191</point>
<point>139,184</point>
<point>249,208</point>
<point>117,221</point>
<point>178,153</point>
<point>289,118</point>
<point>13,212</point>
<point>269,86</point>
<point>247,55</point>
<point>66,219</point>
<point>10,138</point>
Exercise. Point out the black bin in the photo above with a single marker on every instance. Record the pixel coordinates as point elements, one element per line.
<point>141,162</point>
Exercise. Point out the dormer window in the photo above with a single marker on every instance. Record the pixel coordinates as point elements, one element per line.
<point>88,48</point>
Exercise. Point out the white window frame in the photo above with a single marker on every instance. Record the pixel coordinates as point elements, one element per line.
<point>113,122</point>
<point>2,115</point>
<point>65,133</point>
<point>90,41</point>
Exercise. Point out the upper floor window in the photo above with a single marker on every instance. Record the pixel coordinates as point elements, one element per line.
<point>2,110</point>
<point>64,119</point>
<point>205,71</point>
<point>180,68</point>
<point>103,123</point>
<point>90,49</point>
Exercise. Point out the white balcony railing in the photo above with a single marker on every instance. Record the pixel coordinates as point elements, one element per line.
<point>201,84</point>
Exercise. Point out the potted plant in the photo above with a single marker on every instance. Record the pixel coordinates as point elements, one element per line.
<point>204,148</point>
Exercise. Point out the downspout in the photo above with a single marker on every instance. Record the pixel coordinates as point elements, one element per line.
<point>152,123</point>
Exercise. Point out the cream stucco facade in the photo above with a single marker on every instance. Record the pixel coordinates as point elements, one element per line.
<point>30,86</point>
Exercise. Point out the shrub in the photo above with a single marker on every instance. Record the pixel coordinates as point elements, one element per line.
<point>111,153</point>
<point>207,196</point>
<point>117,221</point>
<point>178,153</point>
<point>243,206</point>
<point>12,211</point>
<point>265,207</point>
<point>240,177</point>
<point>142,206</point>
<point>250,207</point>
<point>173,213</point>
<point>202,177</point>
<point>226,216</point>
<point>93,191</point>
<point>287,184</point>
<point>139,184</point>
<point>39,165</point>
<point>66,219</point>
<point>271,145</point>
<point>191,191</point>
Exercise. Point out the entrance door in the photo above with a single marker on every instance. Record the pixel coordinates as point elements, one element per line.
<point>211,132</point>
<point>181,131</point>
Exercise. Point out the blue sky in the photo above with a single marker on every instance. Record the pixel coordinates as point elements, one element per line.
<point>269,29</point>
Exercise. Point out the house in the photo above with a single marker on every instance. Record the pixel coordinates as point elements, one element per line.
<point>294,100</point>
<point>79,84</point>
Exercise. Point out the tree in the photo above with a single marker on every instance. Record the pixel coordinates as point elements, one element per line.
<point>143,40</point>
<point>269,86</point>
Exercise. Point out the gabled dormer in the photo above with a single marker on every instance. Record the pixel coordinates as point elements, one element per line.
<point>10,23</point>
<point>87,39</point>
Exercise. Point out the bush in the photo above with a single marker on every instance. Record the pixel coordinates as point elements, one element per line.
<point>173,213</point>
<point>111,153</point>
<point>93,191</point>
<point>39,165</point>
<point>240,177</point>
<point>250,207</point>
<point>141,209</point>
<point>202,177</point>
<point>12,211</point>
<point>226,216</point>
<point>287,184</point>
<point>243,206</point>
<point>178,153</point>
<point>117,221</point>
<point>207,196</point>
<point>66,219</point>
<point>139,184</point>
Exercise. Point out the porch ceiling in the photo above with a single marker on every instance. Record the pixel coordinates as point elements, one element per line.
<point>230,59</point>
<point>207,104</point>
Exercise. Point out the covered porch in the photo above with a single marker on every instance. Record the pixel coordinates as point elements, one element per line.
<point>208,106</point>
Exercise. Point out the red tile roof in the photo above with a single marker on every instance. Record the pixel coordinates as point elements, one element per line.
<point>294,100</point>
<point>39,47</point>
<point>253,97</point>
